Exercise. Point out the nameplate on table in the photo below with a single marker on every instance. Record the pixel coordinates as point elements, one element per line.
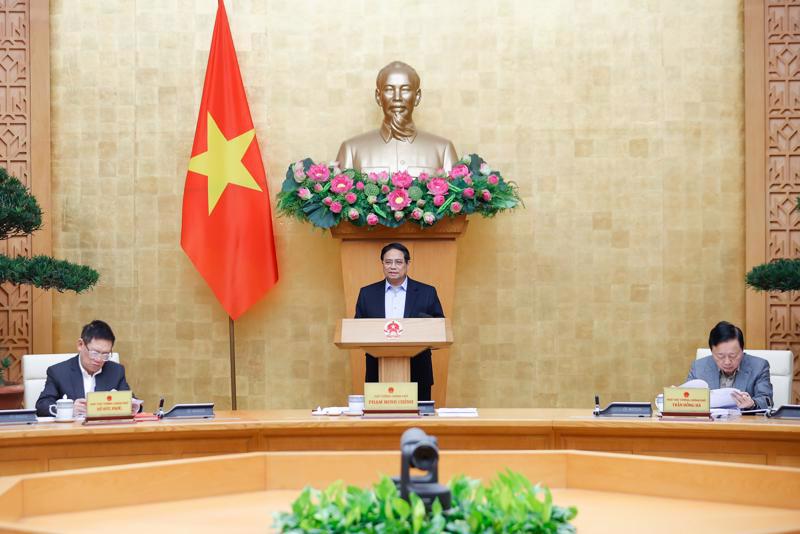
<point>390,397</point>
<point>109,406</point>
<point>692,402</point>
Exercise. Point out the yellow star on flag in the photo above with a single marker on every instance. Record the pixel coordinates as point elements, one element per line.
<point>222,162</point>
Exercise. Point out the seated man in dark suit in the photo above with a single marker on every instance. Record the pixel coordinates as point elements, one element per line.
<point>399,296</point>
<point>88,371</point>
<point>729,367</point>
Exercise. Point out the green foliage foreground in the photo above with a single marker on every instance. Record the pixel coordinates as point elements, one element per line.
<point>511,503</point>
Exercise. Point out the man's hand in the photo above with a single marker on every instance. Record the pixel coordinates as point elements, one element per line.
<point>79,409</point>
<point>743,400</point>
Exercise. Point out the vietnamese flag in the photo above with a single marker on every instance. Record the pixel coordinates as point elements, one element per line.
<point>227,221</point>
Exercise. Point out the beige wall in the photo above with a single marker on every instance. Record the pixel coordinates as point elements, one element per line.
<point>621,121</point>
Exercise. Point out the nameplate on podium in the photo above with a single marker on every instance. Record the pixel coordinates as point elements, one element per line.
<point>686,402</point>
<point>390,397</point>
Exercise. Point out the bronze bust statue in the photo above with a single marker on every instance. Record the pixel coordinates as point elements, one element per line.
<point>397,144</point>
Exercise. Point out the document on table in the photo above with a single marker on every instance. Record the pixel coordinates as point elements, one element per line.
<point>719,398</point>
<point>457,412</point>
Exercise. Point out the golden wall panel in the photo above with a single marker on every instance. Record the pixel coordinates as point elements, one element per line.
<point>621,121</point>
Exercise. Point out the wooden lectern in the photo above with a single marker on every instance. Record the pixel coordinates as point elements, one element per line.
<point>394,350</point>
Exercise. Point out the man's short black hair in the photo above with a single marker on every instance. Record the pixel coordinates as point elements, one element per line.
<point>396,246</point>
<point>97,330</point>
<point>725,331</point>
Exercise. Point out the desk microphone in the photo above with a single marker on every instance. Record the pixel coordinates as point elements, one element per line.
<point>597,404</point>
<point>160,411</point>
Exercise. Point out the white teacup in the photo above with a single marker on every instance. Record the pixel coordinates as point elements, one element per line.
<point>63,408</point>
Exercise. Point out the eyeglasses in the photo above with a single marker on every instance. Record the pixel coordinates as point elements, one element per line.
<point>389,263</point>
<point>727,357</point>
<point>93,354</point>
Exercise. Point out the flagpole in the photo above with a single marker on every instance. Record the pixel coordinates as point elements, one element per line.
<point>232,338</point>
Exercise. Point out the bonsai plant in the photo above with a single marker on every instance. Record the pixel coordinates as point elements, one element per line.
<point>20,215</point>
<point>781,275</point>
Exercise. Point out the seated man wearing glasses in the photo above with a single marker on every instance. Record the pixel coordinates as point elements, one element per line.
<point>729,367</point>
<point>87,372</point>
<point>395,297</point>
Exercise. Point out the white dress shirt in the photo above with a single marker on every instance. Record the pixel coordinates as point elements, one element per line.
<point>89,382</point>
<point>395,300</point>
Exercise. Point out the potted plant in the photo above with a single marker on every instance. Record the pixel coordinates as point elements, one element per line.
<point>20,215</point>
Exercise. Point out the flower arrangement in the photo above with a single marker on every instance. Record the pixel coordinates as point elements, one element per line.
<point>325,196</point>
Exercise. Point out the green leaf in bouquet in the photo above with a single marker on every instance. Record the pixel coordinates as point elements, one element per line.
<point>322,217</point>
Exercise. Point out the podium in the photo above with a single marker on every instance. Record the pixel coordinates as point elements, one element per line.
<point>394,341</point>
<point>433,261</point>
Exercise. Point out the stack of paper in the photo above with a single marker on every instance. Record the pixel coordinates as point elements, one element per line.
<point>457,412</point>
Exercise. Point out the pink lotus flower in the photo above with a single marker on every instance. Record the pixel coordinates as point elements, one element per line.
<point>468,180</point>
<point>327,201</point>
<point>299,175</point>
<point>420,203</point>
<point>438,186</point>
<point>317,187</point>
<point>336,206</point>
<point>360,186</point>
<point>383,177</point>
<point>353,214</point>
<point>398,199</point>
<point>319,173</point>
<point>455,207</point>
<point>416,214</point>
<point>384,189</point>
<point>429,217</point>
<point>492,179</point>
<point>402,179</point>
<point>487,196</point>
<point>304,193</point>
<point>341,184</point>
<point>372,219</point>
<point>373,177</point>
<point>485,169</point>
<point>350,197</point>
<point>459,171</point>
<point>424,177</point>
<point>398,215</point>
<point>468,193</point>
<point>438,200</point>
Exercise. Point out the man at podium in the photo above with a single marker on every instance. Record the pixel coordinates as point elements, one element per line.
<point>395,297</point>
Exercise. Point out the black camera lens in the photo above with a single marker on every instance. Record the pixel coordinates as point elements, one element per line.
<point>424,457</point>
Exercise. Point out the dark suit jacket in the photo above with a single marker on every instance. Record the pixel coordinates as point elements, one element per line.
<point>65,379</point>
<point>421,301</point>
<point>752,377</point>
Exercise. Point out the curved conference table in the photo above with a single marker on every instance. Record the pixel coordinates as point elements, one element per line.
<point>56,446</point>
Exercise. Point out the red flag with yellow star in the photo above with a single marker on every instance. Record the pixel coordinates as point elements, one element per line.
<point>227,220</point>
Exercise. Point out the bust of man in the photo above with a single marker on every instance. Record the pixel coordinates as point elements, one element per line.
<point>397,144</point>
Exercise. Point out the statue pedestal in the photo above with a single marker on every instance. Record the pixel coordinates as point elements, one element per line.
<point>433,261</point>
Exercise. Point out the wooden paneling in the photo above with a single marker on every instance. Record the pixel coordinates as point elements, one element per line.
<point>238,493</point>
<point>26,313</point>
<point>772,169</point>
<point>57,447</point>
